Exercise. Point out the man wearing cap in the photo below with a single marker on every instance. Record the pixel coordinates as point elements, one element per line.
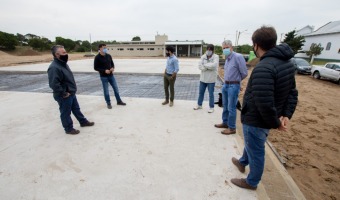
<point>235,70</point>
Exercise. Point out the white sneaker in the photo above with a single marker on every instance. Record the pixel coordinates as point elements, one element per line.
<point>211,110</point>
<point>197,107</point>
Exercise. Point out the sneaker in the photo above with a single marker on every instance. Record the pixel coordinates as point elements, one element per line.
<point>211,110</point>
<point>109,106</point>
<point>197,107</point>
<point>73,132</point>
<point>171,103</point>
<point>121,103</point>
<point>87,124</point>
<point>165,102</point>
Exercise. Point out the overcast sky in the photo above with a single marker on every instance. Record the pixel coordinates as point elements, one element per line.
<point>208,20</point>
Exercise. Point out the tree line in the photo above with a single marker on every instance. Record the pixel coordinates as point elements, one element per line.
<point>9,41</point>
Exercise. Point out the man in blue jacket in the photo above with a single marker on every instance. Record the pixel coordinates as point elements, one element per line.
<point>62,82</point>
<point>269,102</point>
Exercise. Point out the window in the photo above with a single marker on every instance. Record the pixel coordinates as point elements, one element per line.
<point>339,51</point>
<point>329,66</point>
<point>130,49</point>
<point>336,67</point>
<point>140,49</point>
<point>151,49</point>
<point>328,47</point>
<point>120,49</point>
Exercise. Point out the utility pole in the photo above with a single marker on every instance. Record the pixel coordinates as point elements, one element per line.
<point>91,43</point>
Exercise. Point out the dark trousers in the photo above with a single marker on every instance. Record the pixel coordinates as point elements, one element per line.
<point>169,82</point>
<point>66,105</point>
<point>106,80</point>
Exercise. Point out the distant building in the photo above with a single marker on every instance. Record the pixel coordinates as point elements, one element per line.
<point>329,38</point>
<point>156,48</point>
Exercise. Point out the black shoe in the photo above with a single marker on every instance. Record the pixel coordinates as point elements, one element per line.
<point>109,106</point>
<point>121,103</point>
<point>73,132</point>
<point>87,124</point>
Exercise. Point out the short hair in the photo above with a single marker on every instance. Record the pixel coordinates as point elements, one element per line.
<point>101,45</point>
<point>227,42</point>
<point>211,47</point>
<point>55,48</point>
<point>170,48</point>
<point>265,37</point>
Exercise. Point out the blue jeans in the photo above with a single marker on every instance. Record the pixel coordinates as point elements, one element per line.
<point>66,105</point>
<point>203,86</point>
<point>105,82</point>
<point>254,152</point>
<point>229,98</point>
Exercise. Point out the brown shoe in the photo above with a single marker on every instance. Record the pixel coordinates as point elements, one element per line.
<point>165,102</point>
<point>87,124</point>
<point>237,163</point>
<point>221,126</point>
<point>241,182</point>
<point>228,131</point>
<point>73,132</point>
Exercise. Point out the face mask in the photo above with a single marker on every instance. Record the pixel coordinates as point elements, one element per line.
<point>254,51</point>
<point>226,51</point>
<point>105,50</point>
<point>167,54</point>
<point>209,53</point>
<point>64,58</point>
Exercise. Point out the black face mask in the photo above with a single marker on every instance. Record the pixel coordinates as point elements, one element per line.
<point>167,54</point>
<point>64,58</point>
<point>254,51</point>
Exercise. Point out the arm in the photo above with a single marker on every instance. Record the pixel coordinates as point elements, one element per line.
<point>242,67</point>
<point>262,85</point>
<point>201,64</point>
<point>213,65</point>
<point>54,79</point>
<point>291,103</point>
<point>97,66</point>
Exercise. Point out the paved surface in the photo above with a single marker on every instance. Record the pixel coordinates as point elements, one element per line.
<point>140,151</point>
<point>130,85</point>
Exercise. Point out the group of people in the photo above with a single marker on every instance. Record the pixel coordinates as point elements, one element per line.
<point>269,101</point>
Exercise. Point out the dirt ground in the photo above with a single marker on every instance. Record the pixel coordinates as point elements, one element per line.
<point>311,146</point>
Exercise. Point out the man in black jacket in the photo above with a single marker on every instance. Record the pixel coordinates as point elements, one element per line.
<point>269,102</point>
<point>103,63</point>
<point>64,88</point>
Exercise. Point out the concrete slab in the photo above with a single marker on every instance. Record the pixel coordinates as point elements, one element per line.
<point>187,66</point>
<point>141,151</point>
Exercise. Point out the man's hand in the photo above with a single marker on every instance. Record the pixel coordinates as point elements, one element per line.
<point>66,95</point>
<point>173,76</point>
<point>284,123</point>
<point>112,69</point>
<point>107,71</point>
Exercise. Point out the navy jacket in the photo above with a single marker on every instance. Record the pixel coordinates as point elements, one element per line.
<point>61,78</point>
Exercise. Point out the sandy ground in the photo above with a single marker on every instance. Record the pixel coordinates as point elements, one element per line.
<point>311,146</point>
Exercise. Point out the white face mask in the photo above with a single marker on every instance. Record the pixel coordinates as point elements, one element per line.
<point>208,53</point>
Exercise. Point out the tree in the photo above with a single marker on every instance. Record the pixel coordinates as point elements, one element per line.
<point>40,44</point>
<point>68,44</point>
<point>136,38</point>
<point>245,49</point>
<point>314,50</point>
<point>295,42</point>
<point>21,39</point>
<point>8,41</point>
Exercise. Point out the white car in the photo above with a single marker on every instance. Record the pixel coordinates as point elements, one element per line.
<point>330,71</point>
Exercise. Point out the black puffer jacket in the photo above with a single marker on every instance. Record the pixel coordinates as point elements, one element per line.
<point>271,90</point>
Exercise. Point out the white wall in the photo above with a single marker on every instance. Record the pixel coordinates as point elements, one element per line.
<point>333,53</point>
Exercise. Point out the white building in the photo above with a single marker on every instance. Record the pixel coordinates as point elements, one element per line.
<point>329,38</point>
<point>156,48</point>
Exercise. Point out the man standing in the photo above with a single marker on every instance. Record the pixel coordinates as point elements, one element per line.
<point>208,66</point>
<point>269,102</point>
<point>170,73</point>
<point>103,63</point>
<point>235,70</point>
<point>64,88</point>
